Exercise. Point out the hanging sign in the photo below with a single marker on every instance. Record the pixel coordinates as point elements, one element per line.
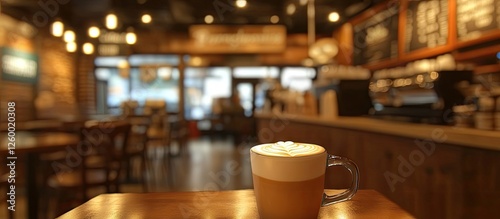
<point>19,66</point>
<point>237,39</point>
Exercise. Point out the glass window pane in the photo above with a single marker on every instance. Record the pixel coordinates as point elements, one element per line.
<point>109,61</point>
<point>256,72</point>
<point>203,85</point>
<point>297,78</point>
<point>159,88</point>
<point>136,60</point>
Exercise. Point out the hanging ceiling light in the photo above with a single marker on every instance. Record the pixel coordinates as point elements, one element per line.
<point>57,28</point>
<point>94,32</point>
<point>333,17</point>
<point>130,37</point>
<point>209,19</point>
<point>111,21</point>
<point>146,18</point>
<point>274,19</point>
<point>88,48</point>
<point>71,46</point>
<point>241,3</point>
<point>69,36</point>
<point>290,9</point>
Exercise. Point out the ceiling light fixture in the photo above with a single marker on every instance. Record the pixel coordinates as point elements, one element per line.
<point>333,17</point>
<point>146,18</point>
<point>111,21</point>
<point>241,3</point>
<point>209,19</point>
<point>274,19</point>
<point>69,36</point>
<point>94,32</point>
<point>88,48</point>
<point>131,38</point>
<point>57,28</point>
<point>290,9</point>
<point>71,47</point>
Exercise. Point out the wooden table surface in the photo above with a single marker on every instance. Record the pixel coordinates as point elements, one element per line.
<point>222,204</point>
<point>39,142</point>
<point>28,145</point>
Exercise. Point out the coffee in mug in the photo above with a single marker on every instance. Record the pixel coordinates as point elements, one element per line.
<point>289,179</point>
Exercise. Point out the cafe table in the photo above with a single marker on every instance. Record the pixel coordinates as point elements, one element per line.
<point>221,204</point>
<point>28,145</point>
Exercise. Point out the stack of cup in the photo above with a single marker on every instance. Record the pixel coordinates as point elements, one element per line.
<point>483,118</point>
<point>497,114</point>
<point>464,115</point>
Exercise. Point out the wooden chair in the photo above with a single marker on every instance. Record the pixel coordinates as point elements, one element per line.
<point>101,151</point>
<point>136,147</point>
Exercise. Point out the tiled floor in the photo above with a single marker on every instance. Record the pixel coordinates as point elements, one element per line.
<point>214,163</point>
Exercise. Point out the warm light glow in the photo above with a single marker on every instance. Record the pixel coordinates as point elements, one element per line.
<point>111,21</point>
<point>57,28</point>
<point>69,36</point>
<point>209,19</point>
<point>196,61</point>
<point>303,2</point>
<point>94,32</point>
<point>146,18</point>
<point>88,48</point>
<point>290,9</point>
<point>333,17</point>
<point>241,3</point>
<point>275,19</point>
<point>71,46</point>
<point>131,38</point>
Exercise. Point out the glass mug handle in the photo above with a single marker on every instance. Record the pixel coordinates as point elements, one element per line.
<point>333,160</point>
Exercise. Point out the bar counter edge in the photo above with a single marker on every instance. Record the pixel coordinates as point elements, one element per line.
<point>469,137</point>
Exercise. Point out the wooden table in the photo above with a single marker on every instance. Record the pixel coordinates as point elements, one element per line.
<point>222,204</point>
<point>28,146</point>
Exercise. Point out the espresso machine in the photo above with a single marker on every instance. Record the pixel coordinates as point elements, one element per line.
<point>350,85</point>
<point>425,96</point>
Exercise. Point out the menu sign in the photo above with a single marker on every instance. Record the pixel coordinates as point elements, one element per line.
<point>377,38</point>
<point>477,17</point>
<point>237,39</point>
<point>19,66</point>
<point>426,24</point>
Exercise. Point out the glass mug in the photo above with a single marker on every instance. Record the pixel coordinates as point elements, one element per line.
<point>289,178</point>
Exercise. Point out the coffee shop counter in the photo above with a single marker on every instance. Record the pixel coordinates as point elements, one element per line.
<point>432,171</point>
<point>468,137</point>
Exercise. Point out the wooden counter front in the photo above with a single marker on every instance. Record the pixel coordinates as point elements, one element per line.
<point>431,171</point>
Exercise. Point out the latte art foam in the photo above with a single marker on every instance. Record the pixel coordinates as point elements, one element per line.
<point>288,149</point>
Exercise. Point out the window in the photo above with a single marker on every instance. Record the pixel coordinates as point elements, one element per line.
<point>297,78</point>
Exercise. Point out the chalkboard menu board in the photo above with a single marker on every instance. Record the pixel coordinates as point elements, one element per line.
<point>377,38</point>
<point>475,17</point>
<point>426,24</point>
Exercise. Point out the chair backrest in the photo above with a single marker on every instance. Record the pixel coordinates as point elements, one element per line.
<point>107,141</point>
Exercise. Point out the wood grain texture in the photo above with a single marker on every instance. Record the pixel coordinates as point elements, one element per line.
<point>225,204</point>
